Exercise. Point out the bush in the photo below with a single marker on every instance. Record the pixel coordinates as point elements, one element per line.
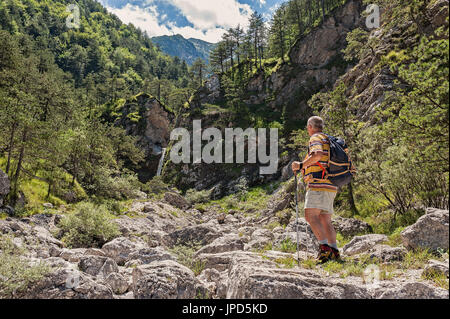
<point>197,197</point>
<point>185,256</point>
<point>156,187</point>
<point>89,226</point>
<point>16,274</point>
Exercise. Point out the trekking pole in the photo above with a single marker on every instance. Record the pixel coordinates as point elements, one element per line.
<point>296,224</point>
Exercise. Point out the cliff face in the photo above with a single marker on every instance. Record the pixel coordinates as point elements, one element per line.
<point>316,62</point>
<point>151,122</point>
<point>367,83</point>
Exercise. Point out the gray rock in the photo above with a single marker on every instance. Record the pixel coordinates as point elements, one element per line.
<point>72,255</point>
<point>226,243</point>
<point>412,290</point>
<point>164,280</point>
<point>203,234</point>
<point>260,238</point>
<point>176,200</point>
<point>98,266</point>
<point>362,244</point>
<point>282,198</point>
<point>149,255</point>
<point>250,278</point>
<point>68,284</point>
<point>387,253</point>
<point>120,248</point>
<point>215,282</point>
<point>436,267</point>
<point>430,231</point>
<point>221,261</point>
<point>350,227</point>
<point>118,283</point>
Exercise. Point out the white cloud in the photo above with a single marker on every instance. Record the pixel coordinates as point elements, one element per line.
<point>144,18</point>
<point>204,14</point>
<point>209,20</point>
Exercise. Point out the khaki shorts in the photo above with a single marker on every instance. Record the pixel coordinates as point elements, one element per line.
<point>320,200</point>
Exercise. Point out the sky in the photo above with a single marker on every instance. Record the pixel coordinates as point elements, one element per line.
<point>201,19</point>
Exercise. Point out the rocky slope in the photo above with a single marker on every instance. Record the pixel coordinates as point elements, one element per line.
<point>233,257</point>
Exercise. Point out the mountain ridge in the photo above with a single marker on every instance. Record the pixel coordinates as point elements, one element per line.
<point>186,49</point>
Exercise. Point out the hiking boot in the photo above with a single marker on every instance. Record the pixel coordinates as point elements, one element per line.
<point>335,255</point>
<point>324,254</point>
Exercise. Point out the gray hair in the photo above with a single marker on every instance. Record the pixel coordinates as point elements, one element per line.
<point>316,122</point>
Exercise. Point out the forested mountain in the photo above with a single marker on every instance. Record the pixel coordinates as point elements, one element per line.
<point>56,80</point>
<point>188,50</point>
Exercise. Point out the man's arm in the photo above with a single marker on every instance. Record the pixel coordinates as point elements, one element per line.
<point>313,159</point>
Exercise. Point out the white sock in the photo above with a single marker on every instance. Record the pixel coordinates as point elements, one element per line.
<point>335,246</point>
<point>323,242</point>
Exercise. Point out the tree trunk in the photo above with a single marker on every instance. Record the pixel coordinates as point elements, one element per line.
<point>11,146</point>
<point>49,190</point>
<point>19,163</point>
<point>159,91</point>
<point>351,200</point>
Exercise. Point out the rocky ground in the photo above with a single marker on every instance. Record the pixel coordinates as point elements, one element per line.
<point>235,256</point>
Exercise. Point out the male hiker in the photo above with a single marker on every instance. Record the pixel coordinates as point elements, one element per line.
<point>321,192</point>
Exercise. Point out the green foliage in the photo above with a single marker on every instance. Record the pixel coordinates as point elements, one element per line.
<point>89,226</point>
<point>417,259</point>
<point>287,246</point>
<point>55,83</point>
<point>309,263</point>
<point>156,187</point>
<point>438,278</point>
<point>287,262</point>
<point>359,44</point>
<point>186,256</point>
<point>402,155</point>
<point>395,239</point>
<point>196,197</point>
<point>16,274</point>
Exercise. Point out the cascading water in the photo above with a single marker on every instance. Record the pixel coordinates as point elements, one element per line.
<point>161,162</point>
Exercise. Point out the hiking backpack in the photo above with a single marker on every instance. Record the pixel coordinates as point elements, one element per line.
<point>340,169</point>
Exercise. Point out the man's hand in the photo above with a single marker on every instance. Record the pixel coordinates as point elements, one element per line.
<point>297,166</point>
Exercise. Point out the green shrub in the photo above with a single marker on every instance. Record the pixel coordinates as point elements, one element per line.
<point>198,197</point>
<point>185,256</point>
<point>438,278</point>
<point>88,226</point>
<point>416,259</point>
<point>287,246</point>
<point>395,239</point>
<point>121,187</point>
<point>16,275</point>
<point>156,187</point>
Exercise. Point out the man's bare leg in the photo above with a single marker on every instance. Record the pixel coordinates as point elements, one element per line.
<point>312,216</point>
<point>330,232</point>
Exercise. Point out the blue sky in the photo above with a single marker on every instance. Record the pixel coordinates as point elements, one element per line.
<point>202,19</point>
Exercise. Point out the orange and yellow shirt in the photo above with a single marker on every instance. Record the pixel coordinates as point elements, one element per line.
<point>319,143</point>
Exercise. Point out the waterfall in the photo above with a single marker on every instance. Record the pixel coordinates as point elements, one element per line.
<point>161,162</point>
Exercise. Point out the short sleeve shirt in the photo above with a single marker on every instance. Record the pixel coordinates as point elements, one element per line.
<point>319,143</point>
